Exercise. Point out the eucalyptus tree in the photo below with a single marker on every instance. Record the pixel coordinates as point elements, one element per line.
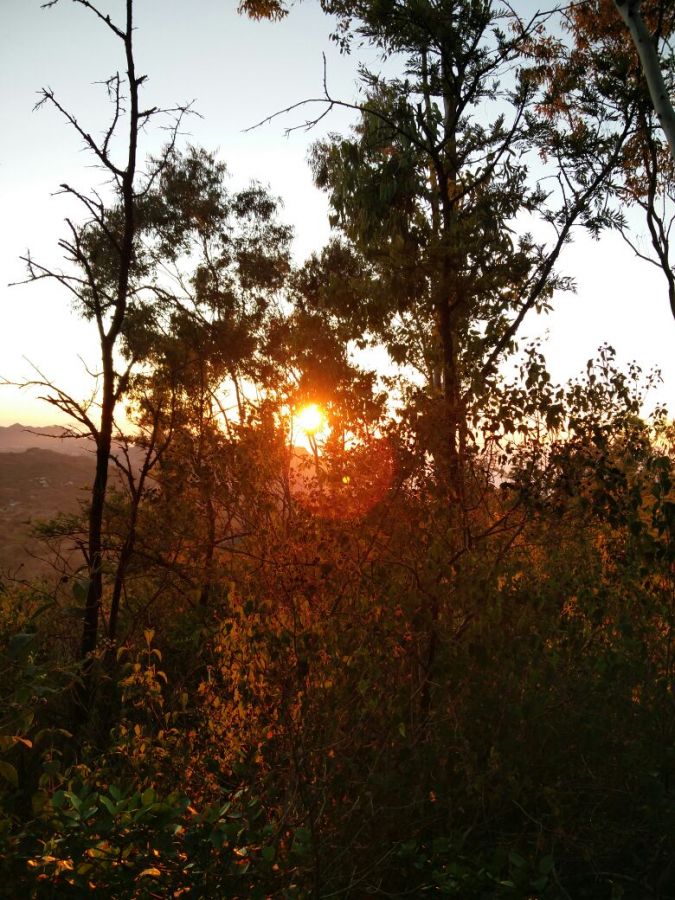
<point>650,44</point>
<point>435,189</point>
<point>600,56</point>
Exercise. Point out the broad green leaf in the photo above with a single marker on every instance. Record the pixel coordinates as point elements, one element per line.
<point>19,643</point>
<point>8,772</point>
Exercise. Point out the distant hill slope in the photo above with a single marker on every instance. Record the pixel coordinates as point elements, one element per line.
<point>19,438</point>
<point>43,474</point>
<point>35,485</point>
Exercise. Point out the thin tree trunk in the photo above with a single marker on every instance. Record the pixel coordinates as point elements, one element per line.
<point>629,10</point>
<point>108,339</point>
<point>95,550</point>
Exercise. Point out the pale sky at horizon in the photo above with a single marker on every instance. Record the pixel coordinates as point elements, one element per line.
<point>238,72</point>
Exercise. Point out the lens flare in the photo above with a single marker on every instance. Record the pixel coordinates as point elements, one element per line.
<point>348,487</point>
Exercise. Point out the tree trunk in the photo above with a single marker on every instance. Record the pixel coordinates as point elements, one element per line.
<point>98,495</point>
<point>108,339</point>
<point>629,10</point>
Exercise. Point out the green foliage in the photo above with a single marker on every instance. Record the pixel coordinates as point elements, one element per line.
<point>137,844</point>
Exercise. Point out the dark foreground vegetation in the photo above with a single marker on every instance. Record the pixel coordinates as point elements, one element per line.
<point>427,648</point>
<point>360,707</point>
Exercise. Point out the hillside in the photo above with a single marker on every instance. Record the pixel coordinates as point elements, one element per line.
<point>18,438</point>
<point>36,485</point>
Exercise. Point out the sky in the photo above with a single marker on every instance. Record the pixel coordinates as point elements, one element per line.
<point>237,72</point>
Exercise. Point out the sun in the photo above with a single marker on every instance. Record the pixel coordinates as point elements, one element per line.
<point>310,418</point>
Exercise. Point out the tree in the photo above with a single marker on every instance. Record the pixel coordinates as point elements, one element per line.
<point>597,65</point>
<point>646,45</point>
<point>223,258</point>
<point>107,265</point>
<point>428,188</point>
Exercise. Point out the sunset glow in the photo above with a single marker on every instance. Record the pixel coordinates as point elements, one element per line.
<point>310,419</point>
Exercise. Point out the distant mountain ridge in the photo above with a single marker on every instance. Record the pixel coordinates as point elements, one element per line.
<point>18,438</point>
